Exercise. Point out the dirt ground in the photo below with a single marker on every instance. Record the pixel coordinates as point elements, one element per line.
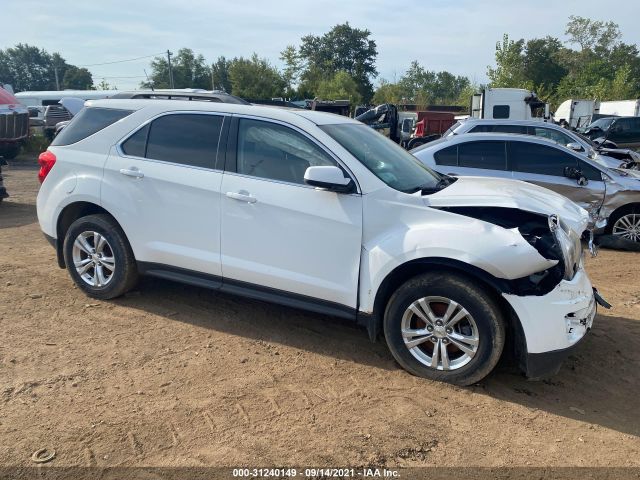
<point>172,375</point>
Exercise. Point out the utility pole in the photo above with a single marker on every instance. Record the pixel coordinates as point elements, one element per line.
<point>55,69</point>
<point>170,70</point>
<point>213,82</point>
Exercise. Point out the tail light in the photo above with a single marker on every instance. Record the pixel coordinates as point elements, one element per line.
<point>46,160</point>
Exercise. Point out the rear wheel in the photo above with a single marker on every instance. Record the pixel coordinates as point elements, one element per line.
<point>99,257</point>
<point>444,327</point>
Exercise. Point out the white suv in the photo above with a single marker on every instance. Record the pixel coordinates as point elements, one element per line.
<point>318,211</point>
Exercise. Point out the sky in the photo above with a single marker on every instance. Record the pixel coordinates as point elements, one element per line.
<point>458,35</point>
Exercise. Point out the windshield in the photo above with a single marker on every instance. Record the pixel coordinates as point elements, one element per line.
<point>451,129</point>
<point>603,123</point>
<point>385,159</point>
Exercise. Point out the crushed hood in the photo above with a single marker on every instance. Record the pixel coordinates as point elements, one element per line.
<point>498,192</point>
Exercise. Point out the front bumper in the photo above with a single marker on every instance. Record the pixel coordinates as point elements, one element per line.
<point>554,323</point>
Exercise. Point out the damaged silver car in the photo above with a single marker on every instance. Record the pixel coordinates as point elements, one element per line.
<point>610,195</point>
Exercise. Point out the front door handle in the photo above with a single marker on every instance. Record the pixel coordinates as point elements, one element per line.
<point>132,172</point>
<point>242,196</point>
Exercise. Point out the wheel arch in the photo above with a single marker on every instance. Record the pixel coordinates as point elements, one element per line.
<point>515,342</point>
<point>70,214</point>
<point>613,216</point>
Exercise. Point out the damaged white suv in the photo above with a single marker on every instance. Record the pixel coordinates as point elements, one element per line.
<point>319,212</point>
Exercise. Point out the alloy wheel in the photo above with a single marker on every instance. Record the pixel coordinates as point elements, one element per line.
<point>93,258</point>
<point>440,333</point>
<point>628,226</point>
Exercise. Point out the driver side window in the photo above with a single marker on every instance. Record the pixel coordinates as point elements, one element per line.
<point>275,152</point>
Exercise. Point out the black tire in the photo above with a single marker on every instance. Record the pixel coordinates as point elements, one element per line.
<point>10,152</point>
<point>125,274</point>
<point>485,313</point>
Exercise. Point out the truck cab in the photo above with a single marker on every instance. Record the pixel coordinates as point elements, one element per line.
<point>508,104</point>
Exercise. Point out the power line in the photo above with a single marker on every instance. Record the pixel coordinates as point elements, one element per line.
<point>121,61</point>
<point>122,76</point>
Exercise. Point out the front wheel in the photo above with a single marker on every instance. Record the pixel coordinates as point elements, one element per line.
<point>626,224</point>
<point>443,327</point>
<point>99,257</point>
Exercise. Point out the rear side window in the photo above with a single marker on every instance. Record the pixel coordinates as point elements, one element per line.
<point>540,159</point>
<point>501,111</point>
<point>521,129</point>
<point>553,135</point>
<point>136,144</point>
<point>447,156</point>
<point>485,155</point>
<point>87,122</point>
<point>187,139</point>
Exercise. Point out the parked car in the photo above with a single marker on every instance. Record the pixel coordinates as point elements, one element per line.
<point>607,154</point>
<point>184,94</point>
<point>611,194</point>
<point>623,131</point>
<point>53,115</point>
<point>318,211</point>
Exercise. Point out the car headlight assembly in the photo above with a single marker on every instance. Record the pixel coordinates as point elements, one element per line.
<point>570,245</point>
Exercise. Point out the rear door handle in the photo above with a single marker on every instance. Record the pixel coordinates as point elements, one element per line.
<point>132,172</point>
<point>242,196</point>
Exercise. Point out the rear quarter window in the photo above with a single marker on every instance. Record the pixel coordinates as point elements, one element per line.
<point>87,122</point>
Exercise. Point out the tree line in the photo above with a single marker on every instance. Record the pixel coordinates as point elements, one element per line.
<point>600,66</point>
<point>341,64</point>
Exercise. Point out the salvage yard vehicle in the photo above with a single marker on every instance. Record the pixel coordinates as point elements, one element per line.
<point>607,193</point>
<point>509,103</point>
<point>14,125</point>
<point>623,131</point>
<point>605,153</point>
<point>320,212</point>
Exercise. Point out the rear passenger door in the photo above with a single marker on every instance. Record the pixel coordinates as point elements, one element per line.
<point>163,185</point>
<point>544,165</point>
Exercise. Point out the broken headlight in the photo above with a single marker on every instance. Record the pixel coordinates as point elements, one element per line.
<point>570,245</point>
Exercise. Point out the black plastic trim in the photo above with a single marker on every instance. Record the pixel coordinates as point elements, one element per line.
<point>258,292</point>
<point>547,364</point>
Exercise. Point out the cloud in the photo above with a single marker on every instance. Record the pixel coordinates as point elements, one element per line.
<point>458,36</point>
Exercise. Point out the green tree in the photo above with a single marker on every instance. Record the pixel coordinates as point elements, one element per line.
<point>189,71</point>
<point>77,78</point>
<point>542,62</point>
<point>26,67</point>
<point>104,85</point>
<point>424,87</point>
<point>343,48</point>
<point>591,34</point>
<point>388,92</point>
<point>220,74</point>
<point>509,70</point>
<point>340,87</point>
<point>255,78</point>
<point>293,66</point>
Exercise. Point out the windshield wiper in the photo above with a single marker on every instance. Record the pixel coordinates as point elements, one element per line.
<point>444,182</point>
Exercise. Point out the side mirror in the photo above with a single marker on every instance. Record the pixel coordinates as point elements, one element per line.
<point>330,178</point>
<point>576,147</point>
<point>575,173</point>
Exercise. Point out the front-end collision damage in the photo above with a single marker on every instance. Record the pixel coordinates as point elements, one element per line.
<point>551,238</point>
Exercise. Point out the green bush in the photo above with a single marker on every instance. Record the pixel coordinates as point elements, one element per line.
<point>36,144</point>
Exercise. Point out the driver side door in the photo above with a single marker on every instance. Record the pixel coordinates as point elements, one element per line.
<point>281,236</point>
